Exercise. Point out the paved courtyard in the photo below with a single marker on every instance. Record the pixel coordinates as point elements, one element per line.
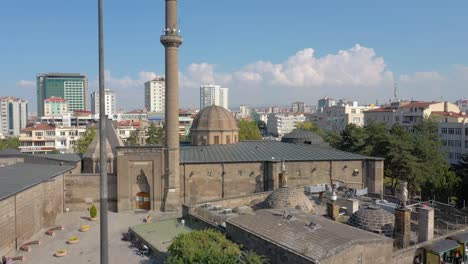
<point>87,251</point>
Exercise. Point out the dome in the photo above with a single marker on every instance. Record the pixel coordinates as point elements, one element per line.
<point>289,198</point>
<point>303,136</point>
<point>374,219</point>
<point>214,118</point>
<point>214,125</point>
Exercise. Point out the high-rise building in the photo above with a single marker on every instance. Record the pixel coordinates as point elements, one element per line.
<point>211,94</point>
<point>298,107</point>
<point>13,115</point>
<point>109,103</point>
<point>325,102</point>
<point>155,95</point>
<point>55,106</point>
<point>72,87</point>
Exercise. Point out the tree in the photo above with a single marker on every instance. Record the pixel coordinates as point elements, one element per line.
<point>461,169</point>
<point>155,135</point>
<point>250,257</point>
<point>203,246</point>
<point>82,144</point>
<point>307,125</point>
<point>352,139</point>
<point>248,130</point>
<point>132,140</point>
<point>9,143</point>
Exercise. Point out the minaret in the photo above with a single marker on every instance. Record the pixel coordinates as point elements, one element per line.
<point>171,41</point>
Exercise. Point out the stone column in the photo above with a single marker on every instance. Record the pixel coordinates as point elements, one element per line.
<point>171,41</point>
<point>402,227</point>
<point>425,224</point>
<point>333,211</point>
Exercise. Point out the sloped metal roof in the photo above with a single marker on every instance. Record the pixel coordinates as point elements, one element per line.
<point>255,151</point>
<point>74,157</point>
<point>442,246</point>
<point>21,176</point>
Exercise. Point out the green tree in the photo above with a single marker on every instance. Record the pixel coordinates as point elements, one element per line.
<point>307,125</point>
<point>82,144</point>
<point>250,257</point>
<point>204,246</point>
<point>461,169</point>
<point>132,140</point>
<point>9,143</point>
<point>155,135</point>
<point>352,139</point>
<point>248,130</point>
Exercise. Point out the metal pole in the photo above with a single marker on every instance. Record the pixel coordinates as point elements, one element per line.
<point>102,144</point>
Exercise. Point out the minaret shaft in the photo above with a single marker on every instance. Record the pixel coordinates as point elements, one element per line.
<point>171,41</point>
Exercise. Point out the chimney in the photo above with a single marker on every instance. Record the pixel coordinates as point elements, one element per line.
<point>425,224</point>
<point>445,106</point>
<point>402,227</point>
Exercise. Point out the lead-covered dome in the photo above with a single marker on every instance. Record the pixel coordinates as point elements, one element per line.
<point>303,136</point>
<point>374,219</point>
<point>214,125</point>
<point>289,198</point>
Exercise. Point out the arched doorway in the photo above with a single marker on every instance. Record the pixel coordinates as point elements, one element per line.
<point>142,201</point>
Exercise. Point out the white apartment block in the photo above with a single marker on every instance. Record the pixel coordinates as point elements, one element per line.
<point>453,128</point>
<point>335,118</point>
<point>109,103</point>
<point>281,124</point>
<point>44,138</point>
<point>54,106</point>
<point>211,94</point>
<point>13,115</point>
<point>155,95</point>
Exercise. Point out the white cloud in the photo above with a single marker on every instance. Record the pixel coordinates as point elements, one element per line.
<point>421,77</point>
<point>25,84</point>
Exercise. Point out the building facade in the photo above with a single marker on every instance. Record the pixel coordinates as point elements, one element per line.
<point>43,138</point>
<point>325,102</point>
<point>211,94</point>
<point>155,95</point>
<point>336,118</point>
<point>72,87</point>
<point>280,124</point>
<point>109,103</point>
<point>13,115</point>
<point>55,106</point>
<point>298,107</point>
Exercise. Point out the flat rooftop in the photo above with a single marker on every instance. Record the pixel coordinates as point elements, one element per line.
<point>159,235</point>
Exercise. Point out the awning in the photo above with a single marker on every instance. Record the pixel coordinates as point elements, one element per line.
<point>442,246</point>
<point>463,237</point>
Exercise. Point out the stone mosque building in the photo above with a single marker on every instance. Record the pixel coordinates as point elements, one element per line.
<point>217,166</point>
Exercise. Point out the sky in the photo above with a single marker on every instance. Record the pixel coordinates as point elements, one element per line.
<point>266,51</point>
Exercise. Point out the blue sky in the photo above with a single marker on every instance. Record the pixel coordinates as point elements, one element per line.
<point>422,44</point>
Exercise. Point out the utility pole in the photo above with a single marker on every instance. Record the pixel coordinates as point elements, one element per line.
<point>102,144</point>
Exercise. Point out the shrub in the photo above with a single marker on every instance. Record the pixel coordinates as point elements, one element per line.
<point>93,211</point>
<point>250,257</point>
<point>205,246</point>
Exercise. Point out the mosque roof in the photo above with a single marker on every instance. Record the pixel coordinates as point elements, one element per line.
<point>374,219</point>
<point>289,197</point>
<point>214,118</point>
<point>265,150</point>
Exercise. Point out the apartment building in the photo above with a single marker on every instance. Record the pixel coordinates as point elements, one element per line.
<point>155,95</point>
<point>13,115</point>
<point>280,124</point>
<point>336,117</point>
<point>211,94</point>
<point>44,138</point>
<point>55,106</point>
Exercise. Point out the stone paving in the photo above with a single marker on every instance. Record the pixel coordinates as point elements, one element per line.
<point>87,251</point>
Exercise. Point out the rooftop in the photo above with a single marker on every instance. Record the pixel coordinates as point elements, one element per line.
<point>55,99</point>
<point>454,114</point>
<point>73,157</point>
<point>267,150</point>
<point>311,236</point>
<point>39,127</point>
<point>21,176</point>
<point>418,104</point>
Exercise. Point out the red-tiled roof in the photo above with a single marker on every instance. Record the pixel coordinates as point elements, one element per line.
<point>39,127</point>
<point>128,123</point>
<point>419,104</point>
<point>383,109</point>
<point>454,114</point>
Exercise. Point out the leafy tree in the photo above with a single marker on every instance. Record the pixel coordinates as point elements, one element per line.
<point>82,144</point>
<point>248,130</point>
<point>461,169</point>
<point>352,139</point>
<point>307,125</point>
<point>9,143</point>
<point>155,135</point>
<point>132,140</point>
<point>204,246</point>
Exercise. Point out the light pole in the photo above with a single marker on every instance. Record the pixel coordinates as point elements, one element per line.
<point>102,145</point>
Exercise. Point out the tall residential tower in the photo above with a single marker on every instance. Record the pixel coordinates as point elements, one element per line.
<point>109,101</point>
<point>211,94</point>
<point>72,87</point>
<point>155,95</point>
<point>13,115</point>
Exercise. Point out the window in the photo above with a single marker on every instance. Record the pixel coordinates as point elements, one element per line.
<point>457,156</point>
<point>39,134</point>
<point>451,131</point>
<point>457,131</point>
<point>353,111</point>
<point>450,143</point>
<point>444,130</point>
<point>62,133</point>
<point>228,139</point>
<point>466,131</point>
<point>50,133</point>
<point>466,143</point>
<point>397,118</point>
<point>63,142</point>
<point>216,139</point>
<point>240,172</point>
<point>457,143</point>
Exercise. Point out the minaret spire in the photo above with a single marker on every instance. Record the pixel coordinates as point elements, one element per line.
<point>171,41</point>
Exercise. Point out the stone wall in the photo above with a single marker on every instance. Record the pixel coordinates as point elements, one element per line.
<point>379,252</point>
<point>235,201</point>
<point>82,190</point>
<point>29,212</point>
<point>7,225</point>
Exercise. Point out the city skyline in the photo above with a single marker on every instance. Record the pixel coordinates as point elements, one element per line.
<point>364,49</point>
